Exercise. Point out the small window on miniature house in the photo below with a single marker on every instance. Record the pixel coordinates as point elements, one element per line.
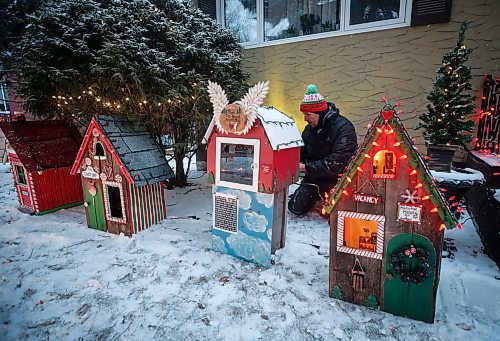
<point>113,196</point>
<point>21,176</point>
<point>384,165</point>
<point>360,234</point>
<point>99,153</point>
<point>237,163</point>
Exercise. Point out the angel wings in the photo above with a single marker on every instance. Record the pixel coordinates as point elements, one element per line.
<point>238,117</point>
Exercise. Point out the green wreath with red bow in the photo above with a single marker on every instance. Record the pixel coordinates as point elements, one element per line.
<point>411,263</point>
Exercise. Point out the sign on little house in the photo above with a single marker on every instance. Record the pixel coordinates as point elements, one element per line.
<point>367,198</point>
<point>409,213</point>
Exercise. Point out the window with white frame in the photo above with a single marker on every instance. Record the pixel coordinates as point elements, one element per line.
<point>257,22</point>
<point>4,99</point>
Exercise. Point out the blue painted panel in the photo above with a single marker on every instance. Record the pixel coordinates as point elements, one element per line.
<point>252,242</point>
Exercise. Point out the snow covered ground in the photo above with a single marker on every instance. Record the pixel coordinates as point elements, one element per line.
<point>62,280</point>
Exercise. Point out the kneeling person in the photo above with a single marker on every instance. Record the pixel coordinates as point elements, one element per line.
<point>329,142</point>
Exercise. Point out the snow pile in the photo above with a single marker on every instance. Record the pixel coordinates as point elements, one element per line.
<point>62,280</point>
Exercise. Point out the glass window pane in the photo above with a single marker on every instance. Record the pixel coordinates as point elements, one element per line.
<point>115,202</point>
<point>366,11</point>
<point>21,177</point>
<point>4,103</point>
<point>241,18</point>
<point>292,18</point>
<point>236,163</point>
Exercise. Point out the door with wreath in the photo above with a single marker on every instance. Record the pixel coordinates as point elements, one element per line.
<point>409,279</point>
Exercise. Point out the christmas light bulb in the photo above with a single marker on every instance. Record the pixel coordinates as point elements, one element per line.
<point>360,169</point>
<point>442,227</point>
<point>413,172</point>
<point>434,210</point>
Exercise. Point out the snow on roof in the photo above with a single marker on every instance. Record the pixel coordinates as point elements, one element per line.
<point>42,145</point>
<point>280,129</point>
<point>135,147</point>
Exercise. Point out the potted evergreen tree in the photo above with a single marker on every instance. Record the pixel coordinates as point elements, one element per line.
<point>446,125</point>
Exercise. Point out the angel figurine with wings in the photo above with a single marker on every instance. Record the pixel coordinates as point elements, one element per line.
<point>237,117</point>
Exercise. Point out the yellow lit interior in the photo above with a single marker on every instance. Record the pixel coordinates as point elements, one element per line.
<point>384,162</point>
<point>359,231</point>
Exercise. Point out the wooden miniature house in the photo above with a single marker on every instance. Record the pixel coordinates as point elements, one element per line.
<point>252,158</point>
<point>41,154</point>
<point>122,170</point>
<point>387,224</point>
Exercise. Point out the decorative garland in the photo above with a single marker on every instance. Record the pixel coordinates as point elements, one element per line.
<point>401,261</point>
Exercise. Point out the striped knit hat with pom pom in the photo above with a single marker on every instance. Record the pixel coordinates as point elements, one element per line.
<point>313,101</point>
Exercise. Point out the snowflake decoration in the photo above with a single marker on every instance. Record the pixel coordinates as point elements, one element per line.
<point>410,197</point>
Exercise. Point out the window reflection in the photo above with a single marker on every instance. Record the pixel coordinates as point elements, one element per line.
<point>236,162</point>
<point>366,11</point>
<point>241,19</point>
<point>291,18</point>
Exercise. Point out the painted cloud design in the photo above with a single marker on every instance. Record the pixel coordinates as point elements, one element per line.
<point>250,248</point>
<point>265,199</point>
<point>218,244</point>
<point>255,222</point>
<point>245,199</point>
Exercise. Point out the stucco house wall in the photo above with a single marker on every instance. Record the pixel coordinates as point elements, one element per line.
<point>356,70</point>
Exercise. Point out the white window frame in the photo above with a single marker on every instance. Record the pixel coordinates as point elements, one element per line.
<point>99,157</point>
<point>345,29</point>
<point>256,155</point>
<point>380,219</point>
<point>4,96</point>
<point>106,201</point>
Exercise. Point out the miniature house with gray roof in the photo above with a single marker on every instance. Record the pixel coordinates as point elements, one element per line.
<point>122,169</point>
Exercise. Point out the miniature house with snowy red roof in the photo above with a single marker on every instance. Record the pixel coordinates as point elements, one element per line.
<point>387,225</point>
<point>122,170</point>
<point>253,154</point>
<point>41,154</point>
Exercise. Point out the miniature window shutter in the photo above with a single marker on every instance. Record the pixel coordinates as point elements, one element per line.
<point>208,7</point>
<point>426,12</point>
<point>358,276</point>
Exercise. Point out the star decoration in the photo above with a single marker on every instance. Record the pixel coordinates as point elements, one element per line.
<point>410,197</point>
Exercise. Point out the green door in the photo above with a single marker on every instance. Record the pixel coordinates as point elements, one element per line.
<point>95,208</point>
<point>406,298</point>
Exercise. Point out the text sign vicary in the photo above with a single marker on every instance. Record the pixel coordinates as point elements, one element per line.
<point>367,198</point>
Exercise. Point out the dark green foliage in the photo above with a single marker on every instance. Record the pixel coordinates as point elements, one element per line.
<point>150,59</point>
<point>13,18</point>
<point>411,263</point>
<point>308,22</point>
<point>337,293</point>
<point>371,302</point>
<point>447,120</point>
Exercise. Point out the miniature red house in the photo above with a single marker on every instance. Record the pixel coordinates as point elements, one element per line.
<point>387,221</point>
<point>41,154</point>
<point>252,157</point>
<point>122,169</point>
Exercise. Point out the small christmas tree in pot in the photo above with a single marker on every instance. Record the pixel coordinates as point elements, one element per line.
<point>446,125</point>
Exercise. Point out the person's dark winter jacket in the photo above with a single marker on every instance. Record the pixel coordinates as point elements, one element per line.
<point>328,147</point>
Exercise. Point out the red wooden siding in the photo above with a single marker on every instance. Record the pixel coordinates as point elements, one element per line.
<point>147,206</point>
<point>272,160</point>
<point>55,188</point>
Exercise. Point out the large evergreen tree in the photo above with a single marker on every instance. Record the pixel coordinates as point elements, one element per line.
<point>447,120</point>
<point>150,59</point>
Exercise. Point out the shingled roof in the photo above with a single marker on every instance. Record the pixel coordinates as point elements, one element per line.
<point>136,148</point>
<point>42,145</point>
